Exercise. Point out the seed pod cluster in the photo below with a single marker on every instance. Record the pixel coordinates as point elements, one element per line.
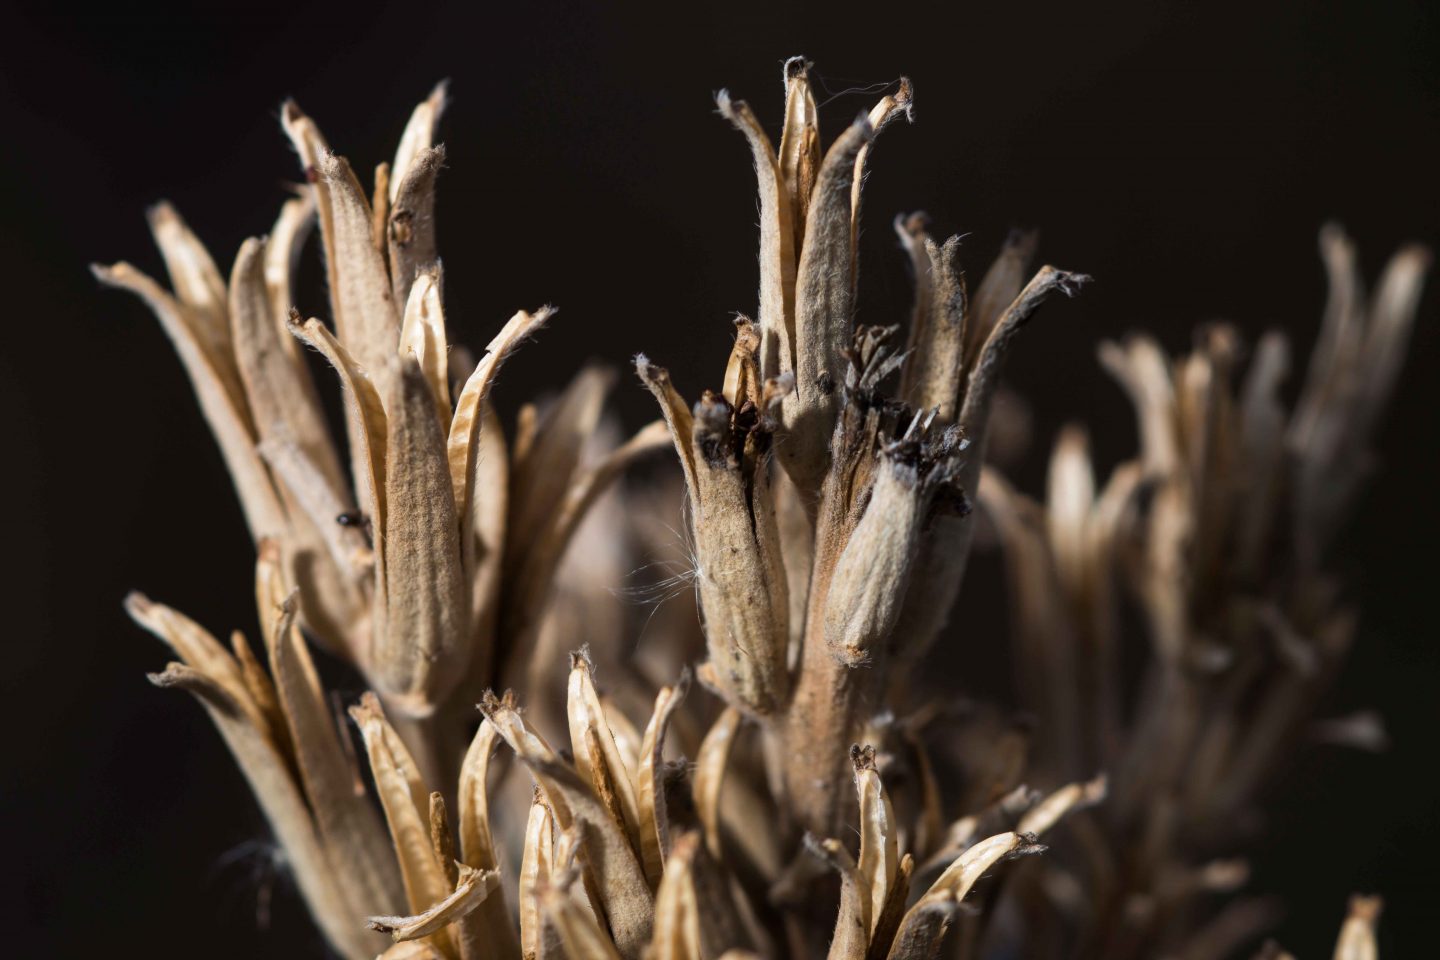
<point>802,797</point>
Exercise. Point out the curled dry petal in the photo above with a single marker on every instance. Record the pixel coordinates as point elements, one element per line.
<point>200,289</point>
<point>365,420</point>
<point>597,758</point>
<point>537,868</point>
<point>920,933</point>
<point>406,805</point>
<point>1075,796</point>
<point>471,890</point>
<point>710,766</point>
<point>491,919</point>
<point>650,784</point>
<point>1141,369</point>
<point>851,940</point>
<point>799,155</point>
<point>879,836</point>
<point>422,335</point>
<point>282,256</point>
<point>463,445</point>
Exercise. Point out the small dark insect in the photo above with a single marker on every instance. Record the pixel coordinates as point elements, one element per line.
<point>354,518</point>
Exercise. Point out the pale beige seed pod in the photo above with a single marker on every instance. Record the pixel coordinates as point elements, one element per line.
<point>868,587</point>
<point>740,576</point>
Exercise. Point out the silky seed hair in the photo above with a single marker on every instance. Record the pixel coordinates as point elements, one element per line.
<point>762,777</point>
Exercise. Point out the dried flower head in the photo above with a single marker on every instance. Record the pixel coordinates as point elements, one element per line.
<point>828,485</point>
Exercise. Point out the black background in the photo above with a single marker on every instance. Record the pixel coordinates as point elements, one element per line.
<point>1184,155</point>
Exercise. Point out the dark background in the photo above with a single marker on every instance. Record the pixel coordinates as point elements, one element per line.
<point>1184,155</point>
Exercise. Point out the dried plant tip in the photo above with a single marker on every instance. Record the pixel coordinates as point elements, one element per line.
<point>1357,935</point>
<point>779,240</point>
<point>824,306</point>
<point>597,757</point>
<point>934,369</point>
<point>367,318</point>
<point>1075,796</point>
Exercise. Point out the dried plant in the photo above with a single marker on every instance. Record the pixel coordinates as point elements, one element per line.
<point>826,528</point>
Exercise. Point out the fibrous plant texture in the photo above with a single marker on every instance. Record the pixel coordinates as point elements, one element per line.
<point>763,779</point>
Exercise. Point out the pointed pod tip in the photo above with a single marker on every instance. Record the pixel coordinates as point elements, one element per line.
<point>490,704</point>
<point>1415,257</point>
<point>912,225</point>
<point>367,710</point>
<point>161,212</point>
<point>580,659</point>
<point>863,758</point>
<point>1366,907</point>
<point>137,605</point>
<point>649,372</point>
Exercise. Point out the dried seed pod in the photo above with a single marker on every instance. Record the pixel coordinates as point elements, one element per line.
<point>741,577</point>
<point>626,903</point>
<point>809,216</point>
<point>869,582</point>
